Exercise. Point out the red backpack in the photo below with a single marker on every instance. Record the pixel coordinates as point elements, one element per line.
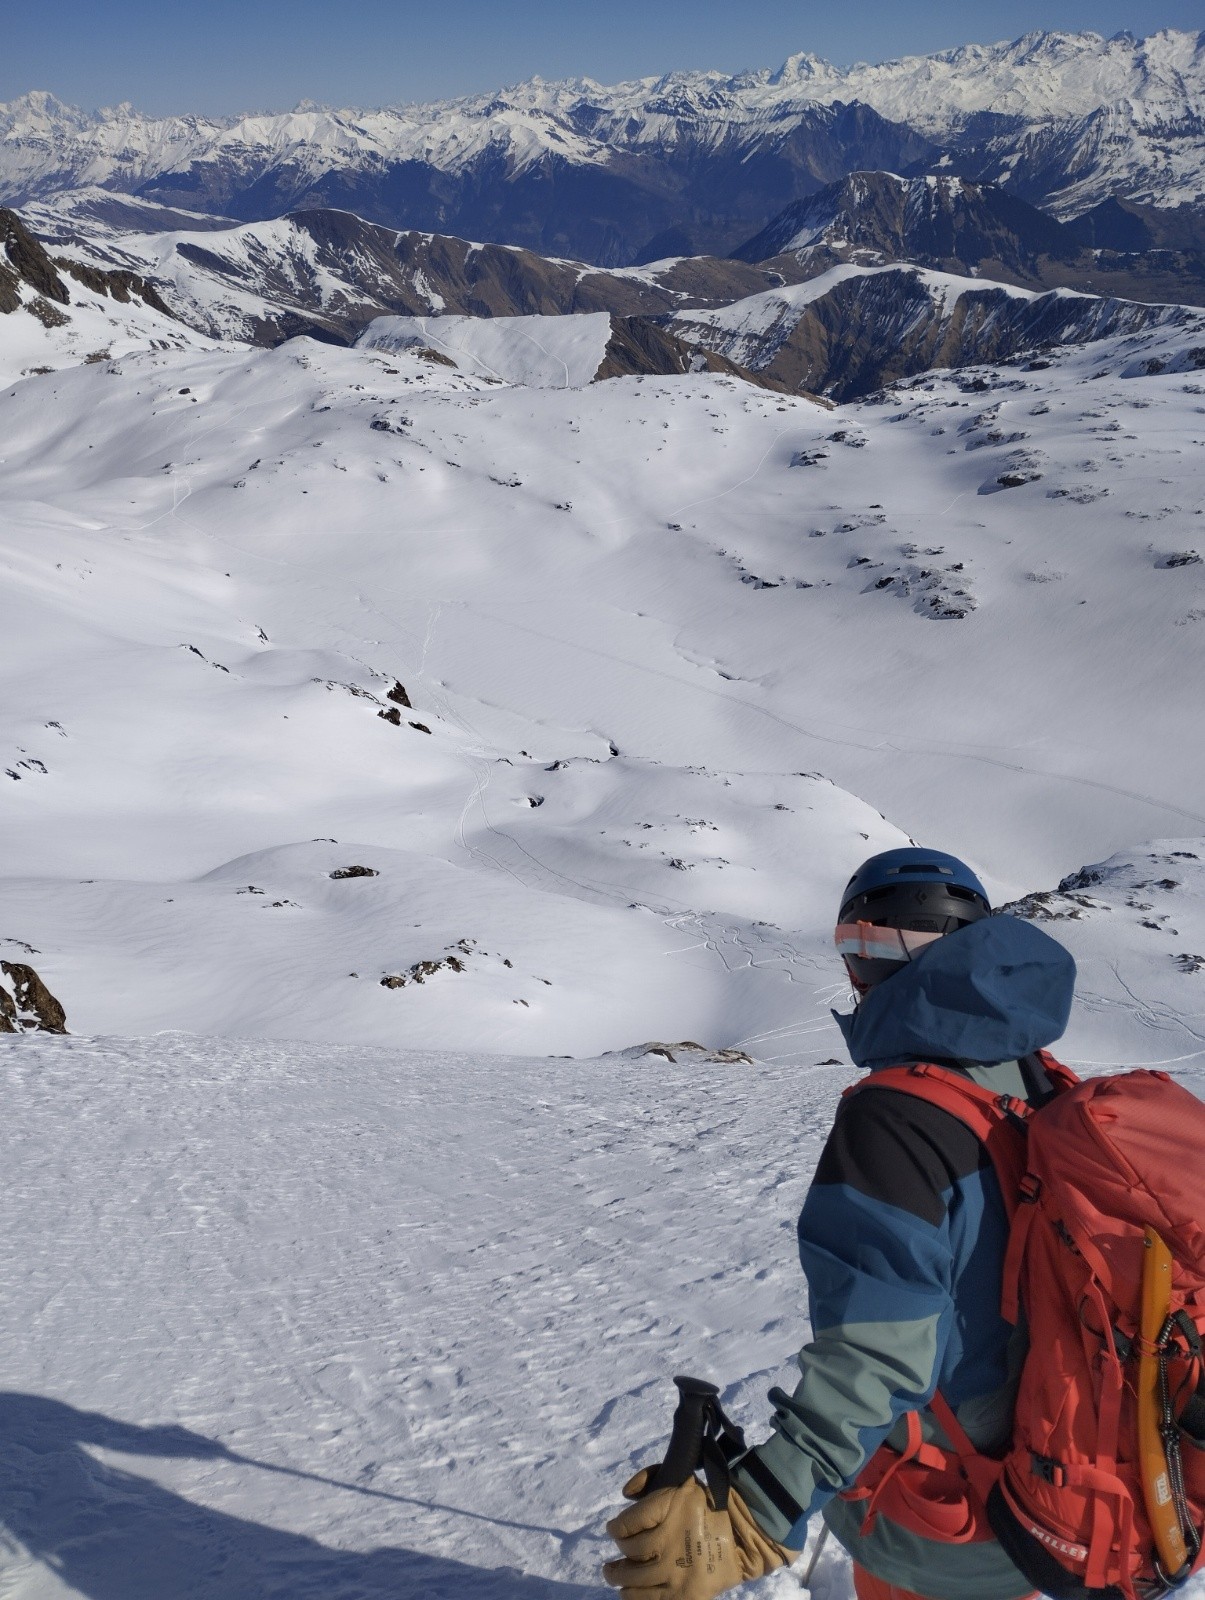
<point>1099,1493</point>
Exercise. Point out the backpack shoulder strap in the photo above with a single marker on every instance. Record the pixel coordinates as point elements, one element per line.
<point>978,1108</point>
<point>1061,1077</point>
<point>1000,1122</point>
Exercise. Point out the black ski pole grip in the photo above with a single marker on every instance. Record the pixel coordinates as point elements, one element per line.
<point>685,1450</point>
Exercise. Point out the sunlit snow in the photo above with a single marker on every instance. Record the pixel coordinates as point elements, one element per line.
<point>678,653</point>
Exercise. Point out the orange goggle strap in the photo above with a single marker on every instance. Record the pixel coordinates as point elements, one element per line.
<point>872,942</point>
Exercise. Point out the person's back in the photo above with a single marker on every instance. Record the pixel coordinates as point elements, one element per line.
<point>902,1240</point>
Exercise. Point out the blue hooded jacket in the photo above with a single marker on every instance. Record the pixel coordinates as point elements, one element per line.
<point>996,990</point>
<point>902,1240</point>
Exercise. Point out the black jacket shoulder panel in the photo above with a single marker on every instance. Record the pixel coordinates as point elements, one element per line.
<point>899,1149</point>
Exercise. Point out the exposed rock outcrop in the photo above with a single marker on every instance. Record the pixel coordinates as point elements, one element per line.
<point>643,345</point>
<point>982,229</point>
<point>26,1004</point>
<point>872,327</point>
<point>685,1051</point>
<point>25,260</point>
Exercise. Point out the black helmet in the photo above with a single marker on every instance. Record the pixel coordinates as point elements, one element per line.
<point>915,896</point>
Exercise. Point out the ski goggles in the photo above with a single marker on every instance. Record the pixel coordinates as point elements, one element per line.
<point>873,943</point>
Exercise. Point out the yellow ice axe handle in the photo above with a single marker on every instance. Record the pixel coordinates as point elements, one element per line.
<point>1152,1451</point>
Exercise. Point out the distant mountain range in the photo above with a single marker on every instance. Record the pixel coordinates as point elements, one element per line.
<point>1109,132</point>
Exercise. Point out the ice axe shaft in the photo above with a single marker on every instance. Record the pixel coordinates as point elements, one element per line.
<point>1157,1480</point>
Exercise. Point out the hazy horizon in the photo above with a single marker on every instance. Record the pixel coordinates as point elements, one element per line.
<point>272,57</point>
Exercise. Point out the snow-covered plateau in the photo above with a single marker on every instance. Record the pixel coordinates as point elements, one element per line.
<point>404,749</point>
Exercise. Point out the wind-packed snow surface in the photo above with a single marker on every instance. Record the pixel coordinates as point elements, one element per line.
<point>293,1321</point>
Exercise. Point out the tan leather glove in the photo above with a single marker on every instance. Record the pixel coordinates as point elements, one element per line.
<point>675,1545</point>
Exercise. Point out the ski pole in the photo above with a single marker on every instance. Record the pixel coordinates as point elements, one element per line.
<point>685,1452</point>
<point>806,1581</point>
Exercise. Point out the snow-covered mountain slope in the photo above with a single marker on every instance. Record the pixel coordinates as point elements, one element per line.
<point>689,163</point>
<point>329,273</point>
<point>59,314</point>
<point>940,222</point>
<point>550,352</point>
<point>669,646</point>
<point>956,226</point>
<point>299,1321</point>
<point>854,328</point>
<point>843,331</point>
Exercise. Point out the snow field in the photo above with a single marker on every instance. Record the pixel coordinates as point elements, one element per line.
<point>537,352</point>
<point>304,1320</point>
<point>458,1286</point>
<point>672,646</point>
<point>679,654</point>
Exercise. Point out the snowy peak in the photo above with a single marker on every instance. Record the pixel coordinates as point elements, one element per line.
<point>1040,76</point>
<point>694,161</point>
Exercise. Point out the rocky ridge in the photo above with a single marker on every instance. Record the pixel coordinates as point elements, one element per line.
<point>854,329</point>
<point>984,230</point>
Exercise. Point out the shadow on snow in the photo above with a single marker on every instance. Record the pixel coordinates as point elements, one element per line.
<point>111,1535</point>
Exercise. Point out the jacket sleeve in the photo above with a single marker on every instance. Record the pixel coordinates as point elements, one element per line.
<point>874,1241</point>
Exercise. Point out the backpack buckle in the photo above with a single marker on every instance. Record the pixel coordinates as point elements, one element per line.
<point>1013,1110</point>
<point>1048,1469</point>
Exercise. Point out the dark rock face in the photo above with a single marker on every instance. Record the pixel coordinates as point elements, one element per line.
<point>26,1004</point>
<point>871,329</point>
<point>954,225</point>
<point>949,224</point>
<point>119,284</point>
<point>25,261</point>
<point>640,345</point>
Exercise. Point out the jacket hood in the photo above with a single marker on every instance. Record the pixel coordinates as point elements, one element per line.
<point>994,991</point>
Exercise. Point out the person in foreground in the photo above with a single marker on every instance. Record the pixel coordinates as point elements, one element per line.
<point>902,1240</point>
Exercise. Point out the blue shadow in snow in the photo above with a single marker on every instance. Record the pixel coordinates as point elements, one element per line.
<point>111,1535</point>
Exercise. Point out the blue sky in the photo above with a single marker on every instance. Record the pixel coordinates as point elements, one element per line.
<point>218,56</point>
